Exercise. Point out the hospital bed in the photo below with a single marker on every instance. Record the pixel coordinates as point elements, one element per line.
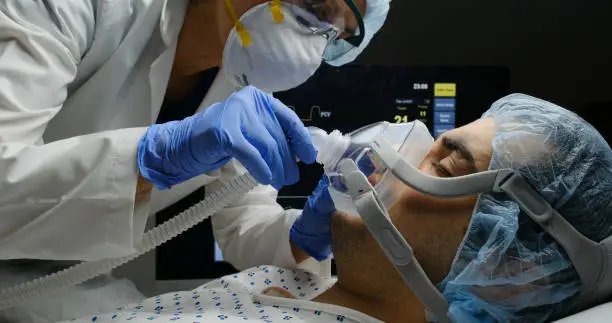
<point>597,314</point>
<point>80,301</point>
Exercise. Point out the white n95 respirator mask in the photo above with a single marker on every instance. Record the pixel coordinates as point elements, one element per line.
<point>269,49</point>
<point>411,140</point>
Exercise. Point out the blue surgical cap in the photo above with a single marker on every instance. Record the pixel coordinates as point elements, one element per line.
<point>507,268</point>
<point>374,18</point>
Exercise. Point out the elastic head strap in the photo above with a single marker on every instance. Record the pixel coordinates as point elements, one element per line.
<point>590,259</point>
<point>245,37</point>
<point>277,13</point>
<point>391,241</point>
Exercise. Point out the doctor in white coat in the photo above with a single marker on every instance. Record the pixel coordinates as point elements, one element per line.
<point>82,82</point>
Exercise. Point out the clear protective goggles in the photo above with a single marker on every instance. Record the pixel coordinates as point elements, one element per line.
<point>332,19</point>
<point>383,159</point>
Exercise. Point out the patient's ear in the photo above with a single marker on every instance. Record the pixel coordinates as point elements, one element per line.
<point>277,292</point>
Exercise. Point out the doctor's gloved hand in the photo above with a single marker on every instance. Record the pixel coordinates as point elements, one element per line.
<point>257,129</point>
<point>311,231</point>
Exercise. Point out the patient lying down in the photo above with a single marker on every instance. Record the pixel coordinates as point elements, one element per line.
<point>367,289</point>
<point>449,238</point>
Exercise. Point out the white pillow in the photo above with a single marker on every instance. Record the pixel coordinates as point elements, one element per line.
<point>601,313</point>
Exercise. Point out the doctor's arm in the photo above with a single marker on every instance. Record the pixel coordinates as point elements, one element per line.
<point>255,230</point>
<point>72,199</point>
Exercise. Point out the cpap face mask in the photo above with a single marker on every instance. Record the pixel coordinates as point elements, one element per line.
<point>412,142</point>
<point>370,167</point>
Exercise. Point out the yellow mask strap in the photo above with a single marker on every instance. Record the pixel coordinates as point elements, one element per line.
<point>245,37</point>
<point>277,14</point>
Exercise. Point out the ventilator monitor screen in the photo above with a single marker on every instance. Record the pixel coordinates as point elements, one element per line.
<point>350,97</point>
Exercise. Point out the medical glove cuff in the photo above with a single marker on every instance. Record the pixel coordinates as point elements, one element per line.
<point>311,230</point>
<point>159,144</point>
<point>318,246</point>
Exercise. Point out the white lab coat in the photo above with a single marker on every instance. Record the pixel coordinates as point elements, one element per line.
<point>79,82</point>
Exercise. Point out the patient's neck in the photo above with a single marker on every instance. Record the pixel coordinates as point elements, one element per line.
<point>392,305</point>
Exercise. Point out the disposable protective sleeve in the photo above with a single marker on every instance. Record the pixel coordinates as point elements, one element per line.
<point>255,230</point>
<point>72,199</point>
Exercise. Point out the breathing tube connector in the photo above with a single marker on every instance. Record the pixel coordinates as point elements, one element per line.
<point>155,237</point>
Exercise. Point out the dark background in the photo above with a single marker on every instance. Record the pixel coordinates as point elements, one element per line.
<point>558,50</point>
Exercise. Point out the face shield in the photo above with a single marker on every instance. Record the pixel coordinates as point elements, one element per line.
<point>339,21</point>
<point>391,155</point>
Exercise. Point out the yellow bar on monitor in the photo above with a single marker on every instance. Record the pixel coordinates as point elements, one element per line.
<point>445,89</point>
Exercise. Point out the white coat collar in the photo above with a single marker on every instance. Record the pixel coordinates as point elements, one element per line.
<point>171,20</point>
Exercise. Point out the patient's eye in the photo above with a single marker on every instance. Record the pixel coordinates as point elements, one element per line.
<point>452,157</point>
<point>440,170</point>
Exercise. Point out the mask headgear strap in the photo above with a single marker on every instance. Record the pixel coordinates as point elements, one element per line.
<point>391,241</point>
<point>590,259</point>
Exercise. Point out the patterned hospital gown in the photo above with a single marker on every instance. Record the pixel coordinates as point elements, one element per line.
<point>239,298</point>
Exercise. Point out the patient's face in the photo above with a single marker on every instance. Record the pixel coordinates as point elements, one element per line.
<point>434,227</point>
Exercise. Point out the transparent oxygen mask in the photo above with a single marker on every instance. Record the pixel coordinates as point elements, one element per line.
<point>411,140</point>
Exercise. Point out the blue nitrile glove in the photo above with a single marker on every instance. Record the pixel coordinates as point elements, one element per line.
<point>311,231</point>
<point>252,126</point>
